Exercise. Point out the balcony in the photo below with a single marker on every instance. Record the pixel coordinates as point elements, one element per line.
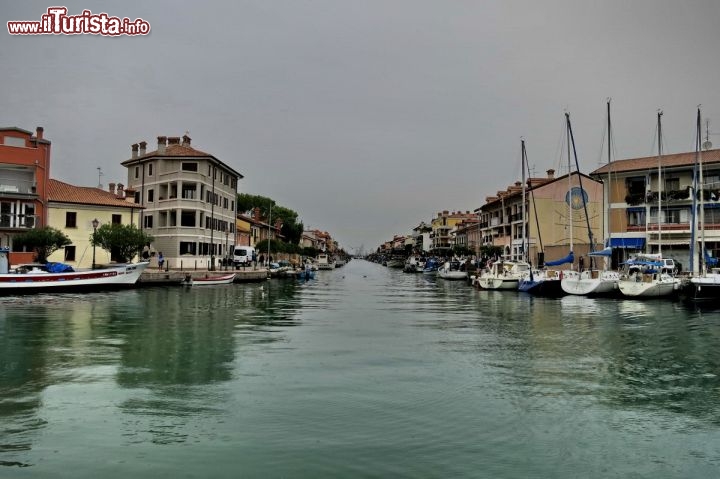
<point>17,221</point>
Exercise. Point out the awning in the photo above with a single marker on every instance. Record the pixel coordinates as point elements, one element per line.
<point>627,243</point>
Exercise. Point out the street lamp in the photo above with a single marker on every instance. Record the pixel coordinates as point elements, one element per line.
<point>95,224</point>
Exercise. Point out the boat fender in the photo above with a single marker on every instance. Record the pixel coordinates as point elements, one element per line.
<point>561,275</point>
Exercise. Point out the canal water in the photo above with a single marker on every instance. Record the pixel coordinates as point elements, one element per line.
<point>362,372</point>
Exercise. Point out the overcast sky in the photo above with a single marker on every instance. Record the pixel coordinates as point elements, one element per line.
<point>366,116</point>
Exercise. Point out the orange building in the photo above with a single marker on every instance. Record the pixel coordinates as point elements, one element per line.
<point>24,176</point>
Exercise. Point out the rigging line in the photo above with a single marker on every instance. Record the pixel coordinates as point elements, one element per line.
<point>560,152</point>
<point>532,196</point>
<point>582,191</point>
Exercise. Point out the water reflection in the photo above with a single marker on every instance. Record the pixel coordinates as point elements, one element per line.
<point>163,346</point>
<point>395,370</point>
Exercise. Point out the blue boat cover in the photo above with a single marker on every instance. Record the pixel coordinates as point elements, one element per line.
<point>567,259</point>
<point>603,252</point>
<point>709,260</point>
<point>59,268</point>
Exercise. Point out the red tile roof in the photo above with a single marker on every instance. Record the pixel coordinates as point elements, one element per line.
<point>650,162</point>
<point>65,193</point>
<point>178,150</point>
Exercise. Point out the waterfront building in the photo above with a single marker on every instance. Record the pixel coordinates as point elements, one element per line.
<point>465,235</point>
<point>24,176</point>
<point>245,235</point>
<point>441,226</point>
<point>77,210</point>
<point>635,221</point>
<point>189,198</point>
<point>421,234</point>
<point>564,209</point>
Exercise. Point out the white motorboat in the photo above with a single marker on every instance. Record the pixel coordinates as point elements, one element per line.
<point>451,270</point>
<point>54,277</point>
<point>502,274</point>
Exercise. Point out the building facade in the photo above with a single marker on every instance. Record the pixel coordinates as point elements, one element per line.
<point>73,209</point>
<point>441,226</point>
<point>24,176</point>
<point>649,206</point>
<point>561,214</point>
<point>189,199</point>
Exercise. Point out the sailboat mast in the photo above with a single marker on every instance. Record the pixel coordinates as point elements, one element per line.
<point>607,190</point>
<point>693,211</point>
<point>703,265</point>
<point>569,202</point>
<point>659,213</point>
<point>524,232</point>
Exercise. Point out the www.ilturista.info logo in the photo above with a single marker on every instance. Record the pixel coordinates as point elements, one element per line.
<point>57,22</point>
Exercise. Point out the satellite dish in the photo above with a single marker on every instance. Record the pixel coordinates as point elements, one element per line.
<point>707,145</point>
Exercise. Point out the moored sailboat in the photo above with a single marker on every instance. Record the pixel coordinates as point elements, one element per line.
<point>595,282</point>
<point>705,285</point>
<point>651,276</point>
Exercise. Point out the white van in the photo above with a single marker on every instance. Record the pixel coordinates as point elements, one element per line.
<point>243,255</point>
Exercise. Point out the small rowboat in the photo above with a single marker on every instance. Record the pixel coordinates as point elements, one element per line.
<point>210,280</point>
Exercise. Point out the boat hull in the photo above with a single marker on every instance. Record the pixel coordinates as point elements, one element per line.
<point>638,288</point>
<point>498,283</point>
<point>542,287</point>
<point>212,280</point>
<point>123,276</point>
<point>703,288</point>
<point>591,283</point>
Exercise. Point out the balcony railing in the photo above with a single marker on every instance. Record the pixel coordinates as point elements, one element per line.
<point>17,221</point>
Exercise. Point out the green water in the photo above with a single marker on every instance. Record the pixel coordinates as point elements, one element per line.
<point>363,372</point>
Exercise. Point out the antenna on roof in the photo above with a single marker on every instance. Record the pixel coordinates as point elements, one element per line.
<point>707,144</point>
<point>100,173</point>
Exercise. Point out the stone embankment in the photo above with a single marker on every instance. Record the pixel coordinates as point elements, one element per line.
<point>155,277</point>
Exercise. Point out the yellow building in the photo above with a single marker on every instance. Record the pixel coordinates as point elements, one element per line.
<point>441,226</point>
<point>73,209</point>
<point>560,214</point>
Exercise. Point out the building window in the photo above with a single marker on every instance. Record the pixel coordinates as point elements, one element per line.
<point>187,218</point>
<point>70,253</point>
<point>187,247</point>
<point>636,218</point>
<point>150,169</point>
<point>137,197</point>
<point>189,166</point>
<point>148,221</point>
<point>116,219</point>
<point>70,219</point>
<point>151,196</point>
<point>188,191</point>
<point>672,184</point>
<point>672,216</point>
<point>137,172</point>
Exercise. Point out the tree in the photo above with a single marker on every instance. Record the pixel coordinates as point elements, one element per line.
<point>43,241</point>
<point>123,240</point>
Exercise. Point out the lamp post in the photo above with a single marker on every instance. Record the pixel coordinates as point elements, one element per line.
<point>95,224</point>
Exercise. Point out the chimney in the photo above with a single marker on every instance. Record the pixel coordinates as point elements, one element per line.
<point>256,214</point>
<point>112,188</point>
<point>518,183</point>
<point>119,192</point>
<point>185,140</point>
<point>173,140</point>
<point>134,150</point>
<point>446,212</point>
<point>143,147</point>
<point>39,132</point>
<point>130,195</point>
<point>551,174</point>
<point>162,142</point>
